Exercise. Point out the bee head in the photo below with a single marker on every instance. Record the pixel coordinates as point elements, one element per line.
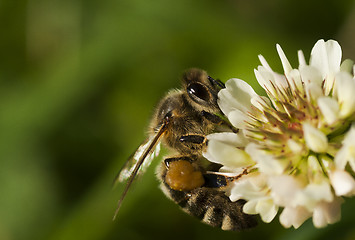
<point>201,89</point>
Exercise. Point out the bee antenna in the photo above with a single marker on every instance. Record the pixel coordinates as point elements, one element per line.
<point>216,82</point>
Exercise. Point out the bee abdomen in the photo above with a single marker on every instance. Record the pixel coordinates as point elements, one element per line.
<point>214,208</point>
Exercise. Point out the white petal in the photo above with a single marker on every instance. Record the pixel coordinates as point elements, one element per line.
<point>313,81</point>
<point>230,171</point>
<point>295,80</point>
<point>249,187</point>
<point>314,193</point>
<point>347,152</point>
<point>294,216</point>
<point>238,118</point>
<point>334,55</point>
<point>265,79</point>
<point>266,76</point>
<point>227,155</point>
<point>281,81</point>
<point>233,139</point>
<point>236,95</point>
<point>326,56</point>
<point>319,191</point>
<point>301,58</point>
<point>329,108</point>
<point>342,182</point>
<point>243,189</point>
<point>285,63</point>
<point>265,162</point>
<point>267,209</point>
<point>264,63</point>
<point>347,65</point>
<point>314,91</point>
<point>284,189</point>
<point>313,164</point>
<point>250,207</point>
<point>350,136</point>
<point>295,146</point>
<point>260,102</point>
<point>345,86</point>
<point>264,206</point>
<point>326,213</point>
<point>315,139</point>
<point>270,165</point>
<point>319,56</point>
<point>340,158</point>
<point>271,81</point>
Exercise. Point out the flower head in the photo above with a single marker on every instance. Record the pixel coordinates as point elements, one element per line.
<point>297,142</point>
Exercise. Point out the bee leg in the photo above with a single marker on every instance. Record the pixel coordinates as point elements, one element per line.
<point>168,161</point>
<point>218,120</point>
<point>181,174</point>
<point>215,180</point>
<point>193,138</point>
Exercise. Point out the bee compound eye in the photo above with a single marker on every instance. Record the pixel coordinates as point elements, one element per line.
<point>199,91</point>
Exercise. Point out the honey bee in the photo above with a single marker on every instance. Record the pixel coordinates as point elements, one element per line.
<point>181,122</point>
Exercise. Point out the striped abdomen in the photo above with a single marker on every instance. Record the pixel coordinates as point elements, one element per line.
<point>212,207</point>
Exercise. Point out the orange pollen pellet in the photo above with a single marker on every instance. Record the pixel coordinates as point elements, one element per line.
<point>182,176</point>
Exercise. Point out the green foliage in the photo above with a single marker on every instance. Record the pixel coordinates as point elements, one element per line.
<point>78,82</point>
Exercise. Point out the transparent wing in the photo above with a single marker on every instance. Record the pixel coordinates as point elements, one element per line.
<point>139,162</point>
<point>129,166</point>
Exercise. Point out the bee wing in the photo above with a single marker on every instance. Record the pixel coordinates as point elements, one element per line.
<point>144,153</point>
<point>129,166</point>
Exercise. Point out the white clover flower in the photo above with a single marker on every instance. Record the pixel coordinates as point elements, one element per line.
<point>254,189</point>
<point>298,143</point>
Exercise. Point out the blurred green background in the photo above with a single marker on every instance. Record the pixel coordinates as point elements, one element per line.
<point>78,83</point>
